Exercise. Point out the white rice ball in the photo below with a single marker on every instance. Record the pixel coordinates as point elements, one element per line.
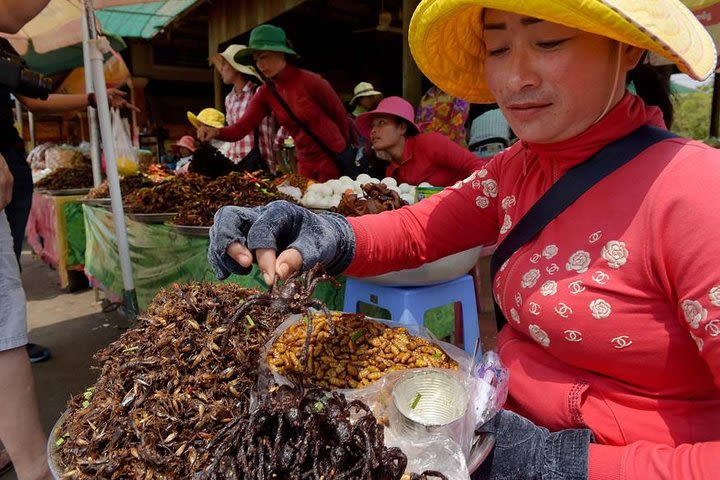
<point>363,178</point>
<point>389,182</point>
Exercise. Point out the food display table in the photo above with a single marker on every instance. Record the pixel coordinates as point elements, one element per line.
<point>56,233</point>
<point>160,257</point>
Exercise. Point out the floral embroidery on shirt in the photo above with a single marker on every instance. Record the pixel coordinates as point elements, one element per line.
<point>549,288</point>
<point>482,202</point>
<point>535,258</point>
<point>552,269</point>
<point>576,287</point>
<point>534,308</point>
<point>490,187</point>
<point>504,265</point>
<point>713,328</point>
<point>507,224</point>
<point>615,253</point>
<point>698,341</point>
<point>518,299</point>
<point>579,261</point>
<point>476,184</point>
<point>600,308</point>
<point>573,336</point>
<point>530,278</point>
<point>550,251</point>
<point>482,173</point>
<point>623,341</point>
<point>508,202</point>
<point>563,310</point>
<point>715,296</point>
<point>539,335</point>
<point>694,312</point>
<point>595,236</point>
<point>515,315</point>
<point>458,185</point>
<point>600,277</point>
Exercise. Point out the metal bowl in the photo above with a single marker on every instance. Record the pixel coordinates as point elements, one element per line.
<point>53,456</point>
<point>429,402</point>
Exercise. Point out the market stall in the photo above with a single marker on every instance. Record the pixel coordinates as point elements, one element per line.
<point>160,255</point>
<point>56,233</point>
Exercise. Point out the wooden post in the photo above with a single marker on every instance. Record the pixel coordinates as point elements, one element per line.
<point>412,79</point>
<point>715,108</point>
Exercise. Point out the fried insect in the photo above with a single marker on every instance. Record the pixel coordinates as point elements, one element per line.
<point>377,198</point>
<point>292,297</point>
<point>303,433</point>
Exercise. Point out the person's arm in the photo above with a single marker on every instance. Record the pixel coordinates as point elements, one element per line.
<point>16,13</point>
<point>451,221</point>
<point>451,156</point>
<point>256,111</point>
<point>6,183</point>
<point>59,102</point>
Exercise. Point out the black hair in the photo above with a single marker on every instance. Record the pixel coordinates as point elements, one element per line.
<point>653,86</point>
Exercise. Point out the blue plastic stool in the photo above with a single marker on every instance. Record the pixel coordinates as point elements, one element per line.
<point>409,304</point>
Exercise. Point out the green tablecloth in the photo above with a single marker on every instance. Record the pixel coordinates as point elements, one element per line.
<point>75,225</point>
<point>160,257</point>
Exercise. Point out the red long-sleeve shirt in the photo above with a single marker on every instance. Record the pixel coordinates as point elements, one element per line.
<point>613,309</point>
<point>316,104</point>
<point>433,158</point>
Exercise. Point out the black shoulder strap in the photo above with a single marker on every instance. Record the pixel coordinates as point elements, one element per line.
<point>300,123</point>
<point>569,188</point>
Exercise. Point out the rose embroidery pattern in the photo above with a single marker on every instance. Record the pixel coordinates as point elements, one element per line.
<point>507,224</point>
<point>539,335</point>
<point>715,296</point>
<point>550,251</point>
<point>694,312</point>
<point>549,288</point>
<point>579,261</point>
<point>482,173</point>
<point>615,253</point>
<point>508,202</point>
<point>515,315</point>
<point>698,341</point>
<point>600,309</point>
<point>530,278</point>
<point>490,188</point>
<point>482,202</point>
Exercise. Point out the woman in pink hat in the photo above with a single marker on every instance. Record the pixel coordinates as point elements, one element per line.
<point>414,157</point>
<point>184,148</point>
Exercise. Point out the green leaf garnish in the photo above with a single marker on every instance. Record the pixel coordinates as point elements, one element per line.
<point>357,334</point>
<point>416,400</point>
<point>249,320</point>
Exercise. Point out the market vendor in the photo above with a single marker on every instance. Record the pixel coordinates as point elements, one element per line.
<point>210,118</point>
<point>414,157</point>
<point>306,95</point>
<point>254,151</point>
<point>184,149</point>
<point>365,98</point>
<point>613,335</point>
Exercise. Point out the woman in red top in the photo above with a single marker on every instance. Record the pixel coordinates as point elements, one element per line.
<point>613,333</point>
<point>414,157</point>
<point>309,96</point>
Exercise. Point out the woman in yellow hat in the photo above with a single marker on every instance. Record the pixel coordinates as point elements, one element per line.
<point>292,94</point>
<point>612,296</point>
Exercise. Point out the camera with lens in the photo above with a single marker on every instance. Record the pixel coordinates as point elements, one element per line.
<point>19,79</point>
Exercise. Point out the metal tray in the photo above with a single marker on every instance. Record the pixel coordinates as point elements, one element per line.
<point>96,202</point>
<point>66,192</point>
<point>190,230</point>
<point>151,217</point>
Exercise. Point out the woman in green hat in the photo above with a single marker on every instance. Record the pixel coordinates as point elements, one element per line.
<point>306,95</point>
<point>612,297</point>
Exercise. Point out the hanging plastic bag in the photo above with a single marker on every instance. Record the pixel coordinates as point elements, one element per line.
<point>125,156</point>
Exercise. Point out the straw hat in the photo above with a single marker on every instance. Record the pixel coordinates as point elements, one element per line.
<point>364,89</point>
<point>445,36</point>
<point>229,56</point>
<point>207,116</point>
<point>395,106</point>
<point>266,38</point>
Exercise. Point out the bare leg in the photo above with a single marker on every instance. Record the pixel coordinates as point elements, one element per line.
<point>20,428</point>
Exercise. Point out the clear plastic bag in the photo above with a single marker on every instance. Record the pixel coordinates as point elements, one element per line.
<point>447,451</point>
<point>125,156</point>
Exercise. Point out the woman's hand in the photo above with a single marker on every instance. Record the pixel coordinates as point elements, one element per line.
<point>301,237</point>
<point>116,99</point>
<point>205,133</point>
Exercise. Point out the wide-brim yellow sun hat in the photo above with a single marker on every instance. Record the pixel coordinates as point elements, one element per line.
<point>207,116</point>
<point>445,36</point>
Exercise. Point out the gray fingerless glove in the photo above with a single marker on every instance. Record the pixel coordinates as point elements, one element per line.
<point>525,451</point>
<point>326,238</point>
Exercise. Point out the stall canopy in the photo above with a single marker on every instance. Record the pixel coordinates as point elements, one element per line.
<point>59,24</point>
<point>65,58</point>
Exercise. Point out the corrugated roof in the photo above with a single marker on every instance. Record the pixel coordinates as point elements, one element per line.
<point>142,20</point>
